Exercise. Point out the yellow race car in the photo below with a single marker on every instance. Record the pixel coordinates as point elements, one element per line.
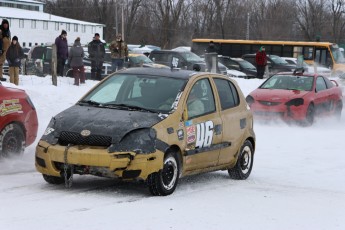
<point>154,125</point>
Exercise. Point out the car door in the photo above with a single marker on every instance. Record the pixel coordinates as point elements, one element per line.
<point>201,127</point>
<point>233,119</point>
<point>322,102</point>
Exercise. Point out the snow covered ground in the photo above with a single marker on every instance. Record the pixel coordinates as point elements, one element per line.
<point>298,182</point>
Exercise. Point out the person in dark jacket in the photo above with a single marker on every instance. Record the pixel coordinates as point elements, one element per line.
<point>14,55</point>
<point>62,52</point>
<point>96,51</point>
<point>5,41</point>
<point>261,62</point>
<point>75,61</point>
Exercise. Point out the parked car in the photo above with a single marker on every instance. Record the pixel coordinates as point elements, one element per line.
<point>18,121</point>
<point>239,64</point>
<point>141,60</point>
<point>154,125</point>
<point>181,59</point>
<point>235,73</point>
<point>309,68</point>
<point>38,61</point>
<point>296,97</point>
<point>275,63</point>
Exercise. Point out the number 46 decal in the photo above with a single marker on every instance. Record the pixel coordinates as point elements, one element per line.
<point>204,134</point>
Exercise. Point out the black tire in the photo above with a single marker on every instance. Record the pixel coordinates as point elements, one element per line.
<point>164,182</point>
<point>53,179</point>
<point>12,140</point>
<point>310,115</point>
<point>244,164</point>
<point>338,109</point>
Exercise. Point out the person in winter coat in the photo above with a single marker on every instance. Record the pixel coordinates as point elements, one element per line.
<point>119,52</point>
<point>14,55</point>
<point>261,62</point>
<point>96,51</point>
<point>75,61</point>
<point>62,52</point>
<point>5,42</point>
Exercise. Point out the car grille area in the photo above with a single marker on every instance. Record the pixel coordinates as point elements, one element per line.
<point>269,103</point>
<point>77,139</point>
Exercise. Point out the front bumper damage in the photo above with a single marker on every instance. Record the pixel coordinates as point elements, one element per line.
<point>97,161</point>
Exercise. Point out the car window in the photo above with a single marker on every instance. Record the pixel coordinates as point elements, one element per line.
<point>160,57</point>
<point>200,99</point>
<point>227,93</point>
<point>320,84</point>
<point>246,64</point>
<point>278,60</point>
<point>328,83</point>
<point>250,59</point>
<point>191,57</point>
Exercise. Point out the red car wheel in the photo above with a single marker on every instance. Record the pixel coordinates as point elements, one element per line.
<point>12,140</point>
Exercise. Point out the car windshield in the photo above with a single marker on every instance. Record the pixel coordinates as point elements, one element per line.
<point>289,82</point>
<point>278,60</point>
<point>141,59</point>
<point>136,92</point>
<point>246,65</point>
<point>191,57</point>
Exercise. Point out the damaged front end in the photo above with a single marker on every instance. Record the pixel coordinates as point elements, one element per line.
<point>125,152</point>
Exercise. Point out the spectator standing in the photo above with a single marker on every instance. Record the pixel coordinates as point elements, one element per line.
<point>119,52</point>
<point>75,61</point>
<point>96,51</point>
<point>61,52</point>
<point>14,55</point>
<point>211,58</point>
<point>211,48</point>
<point>261,62</point>
<point>5,42</point>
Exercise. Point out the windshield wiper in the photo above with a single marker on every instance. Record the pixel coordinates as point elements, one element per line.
<point>89,102</point>
<point>129,107</point>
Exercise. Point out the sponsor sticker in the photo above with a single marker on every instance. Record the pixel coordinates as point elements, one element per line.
<point>10,106</point>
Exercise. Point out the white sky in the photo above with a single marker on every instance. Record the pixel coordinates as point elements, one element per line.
<point>298,182</point>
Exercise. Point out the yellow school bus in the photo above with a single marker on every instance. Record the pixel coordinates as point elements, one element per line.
<point>321,53</point>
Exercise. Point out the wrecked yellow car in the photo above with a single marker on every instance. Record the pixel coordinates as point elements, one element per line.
<point>154,125</point>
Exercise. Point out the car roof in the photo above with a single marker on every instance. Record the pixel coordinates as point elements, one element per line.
<point>174,73</point>
<point>170,51</point>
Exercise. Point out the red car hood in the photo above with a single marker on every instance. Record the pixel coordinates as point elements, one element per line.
<point>277,95</point>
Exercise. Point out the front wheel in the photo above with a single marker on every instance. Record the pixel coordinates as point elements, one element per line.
<point>310,115</point>
<point>12,140</point>
<point>244,163</point>
<point>53,179</point>
<point>164,182</point>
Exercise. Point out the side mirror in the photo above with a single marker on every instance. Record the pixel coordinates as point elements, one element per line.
<point>196,67</point>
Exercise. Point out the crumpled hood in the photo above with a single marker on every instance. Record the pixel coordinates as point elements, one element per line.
<point>103,121</point>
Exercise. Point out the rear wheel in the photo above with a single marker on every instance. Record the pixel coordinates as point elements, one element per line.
<point>164,182</point>
<point>12,140</point>
<point>244,163</point>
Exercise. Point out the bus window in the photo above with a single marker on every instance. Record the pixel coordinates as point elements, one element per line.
<point>276,50</point>
<point>308,53</point>
<point>322,58</point>
<point>297,50</point>
<point>287,51</point>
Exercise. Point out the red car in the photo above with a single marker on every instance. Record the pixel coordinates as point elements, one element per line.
<point>18,121</point>
<point>296,97</point>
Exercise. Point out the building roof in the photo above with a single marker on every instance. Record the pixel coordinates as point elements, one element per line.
<point>29,1</point>
<point>8,13</point>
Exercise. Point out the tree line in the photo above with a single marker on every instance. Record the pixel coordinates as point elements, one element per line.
<point>171,23</point>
